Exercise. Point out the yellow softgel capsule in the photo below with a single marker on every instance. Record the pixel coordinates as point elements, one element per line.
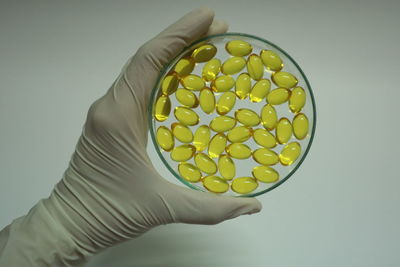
<point>238,48</point>
<point>226,102</point>
<point>278,96</point>
<point>255,67</point>
<point>202,137</point>
<point>284,131</point>
<point>182,132</point>
<point>204,53</point>
<point>243,85</point>
<point>244,185</point>
<point>215,184</point>
<point>297,99</point>
<point>217,145</point>
<point>205,163</point>
<point>260,90</point>
<point>182,153</point>
<point>233,65</point>
<point>269,118</point>
<point>284,79</point>
<point>247,117</point>
<point>207,100</point>
<point>290,153</point>
<point>170,84</point>
<point>238,151</point>
<point>162,108</point>
<point>223,83</point>
<point>264,138</point>
<point>165,139</point>
<point>265,156</point>
<point>211,69</point>
<point>300,126</point>
<point>272,61</point>
<point>193,82</point>
<point>184,66</point>
<point>265,174</point>
<point>239,134</point>
<point>186,116</point>
<point>226,167</point>
<point>189,172</point>
<point>187,98</point>
<point>222,124</point>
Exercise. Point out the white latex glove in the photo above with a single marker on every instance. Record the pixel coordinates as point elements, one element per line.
<point>111,192</point>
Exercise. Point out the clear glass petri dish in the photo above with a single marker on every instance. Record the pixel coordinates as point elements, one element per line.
<point>243,167</point>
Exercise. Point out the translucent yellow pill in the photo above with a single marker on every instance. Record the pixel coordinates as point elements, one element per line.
<point>297,99</point>
<point>233,65</point>
<point>290,153</point>
<point>226,102</point>
<point>265,174</point>
<point>202,137</point>
<point>222,124</point>
<point>189,172</point>
<point>238,48</point>
<point>284,79</point>
<point>187,98</point>
<point>215,184</point>
<point>165,139</point>
<point>211,69</point>
<point>239,134</point>
<point>247,117</point>
<point>186,116</point>
<point>265,156</point>
<point>271,60</point>
<point>284,131</point>
<point>243,85</point>
<point>226,167</point>
<point>182,153</point>
<point>255,67</point>
<point>217,145</point>
<point>223,83</point>
<point>204,53</point>
<point>162,108</point>
<point>238,151</point>
<point>278,96</point>
<point>269,118</point>
<point>300,126</point>
<point>193,82</point>
<point>184,66</point>
<point>205,163</point>
<point>260,90</point>
<point>264,138</point>
<point>182,132</point>
<point>170,84</point>
<point>207,100</point>
<point>244,185</point>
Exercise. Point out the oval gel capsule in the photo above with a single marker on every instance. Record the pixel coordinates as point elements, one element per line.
<point>239,134</point>
<point>278,96</point>
<point>290,153</point>
<point>233,65</point>
<point>284,131</point>
<point>202,137</point>
<point>215,184</point>
<point>217,145</point>
<point>265,156</point>
<point>297,99</point>
<point>184,66</point>
<point>182,132</point>
<point>300,126</point>
<point>187,98</point>
<point>247,117</point>
<point>189,172</point>
<point>222,124</point>
<point>284,79</point>
<point>260,90</point>
<point>207,100</point>
<point>238,48</point>
<point>162,108</point>
<point>193,82</point>
<point>211,69</point>
<point>271,60</point>
<point>269,118</point>
<point>238,151</point>
<point>255,67</point>
<point>225,103</point>
<point>243,85</point>
<point>244,185</point>
<point>226,167</point>
<point>165,139</point>
<point>204,53</point>
<point>186,116</point>
<point>182,153</point>
<point>170,84</point>
<point>264,138</point>
<point>223,83</point>
<point>265,174</point>
<point>205,163</point>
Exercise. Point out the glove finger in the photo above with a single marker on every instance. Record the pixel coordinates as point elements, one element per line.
<point>218,27</point>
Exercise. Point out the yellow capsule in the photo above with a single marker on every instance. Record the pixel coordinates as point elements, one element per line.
<point>182,132</point>
<point>264,138</point>
<point>238,48</point>
<point>226,102</point>
<point>182,153</point>
<point>238,151</point>
<point>169,84</point>
<point>297,99</point>
<point>284,79</point>
<point>284,131</point>
<point>247,117</point>
<point>215,184</point>
<point>239,134</point>
<point>189,172</point>
<point>165,139</point>
<point>244,185</point>
<point>271,60</point>
<point>278,96</point>
<point>243,85</point>
<point>300,126</point>
<point>233,65</point>
<point>211,69</point>
<point>265,156</point>
<point>202,137</point>
<point>290,153</point>
<point>162,108</point>
<point>269,118</point>
<point>187,98</point>
<point>205,163</point>
<point>223,83</point>
<point>217,145</point>
<point>222,124</point>
<point>184,66</point>
<point>193,82</point>
<point>204,53</point>
<point>207,100</point>
<point>265,174</point>
<point>255,67</point>
<point>260,90</point>
<point>226,167</point>
<point>186,116</point>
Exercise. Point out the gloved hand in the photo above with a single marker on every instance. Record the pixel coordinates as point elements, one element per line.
<point>111,192</point>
